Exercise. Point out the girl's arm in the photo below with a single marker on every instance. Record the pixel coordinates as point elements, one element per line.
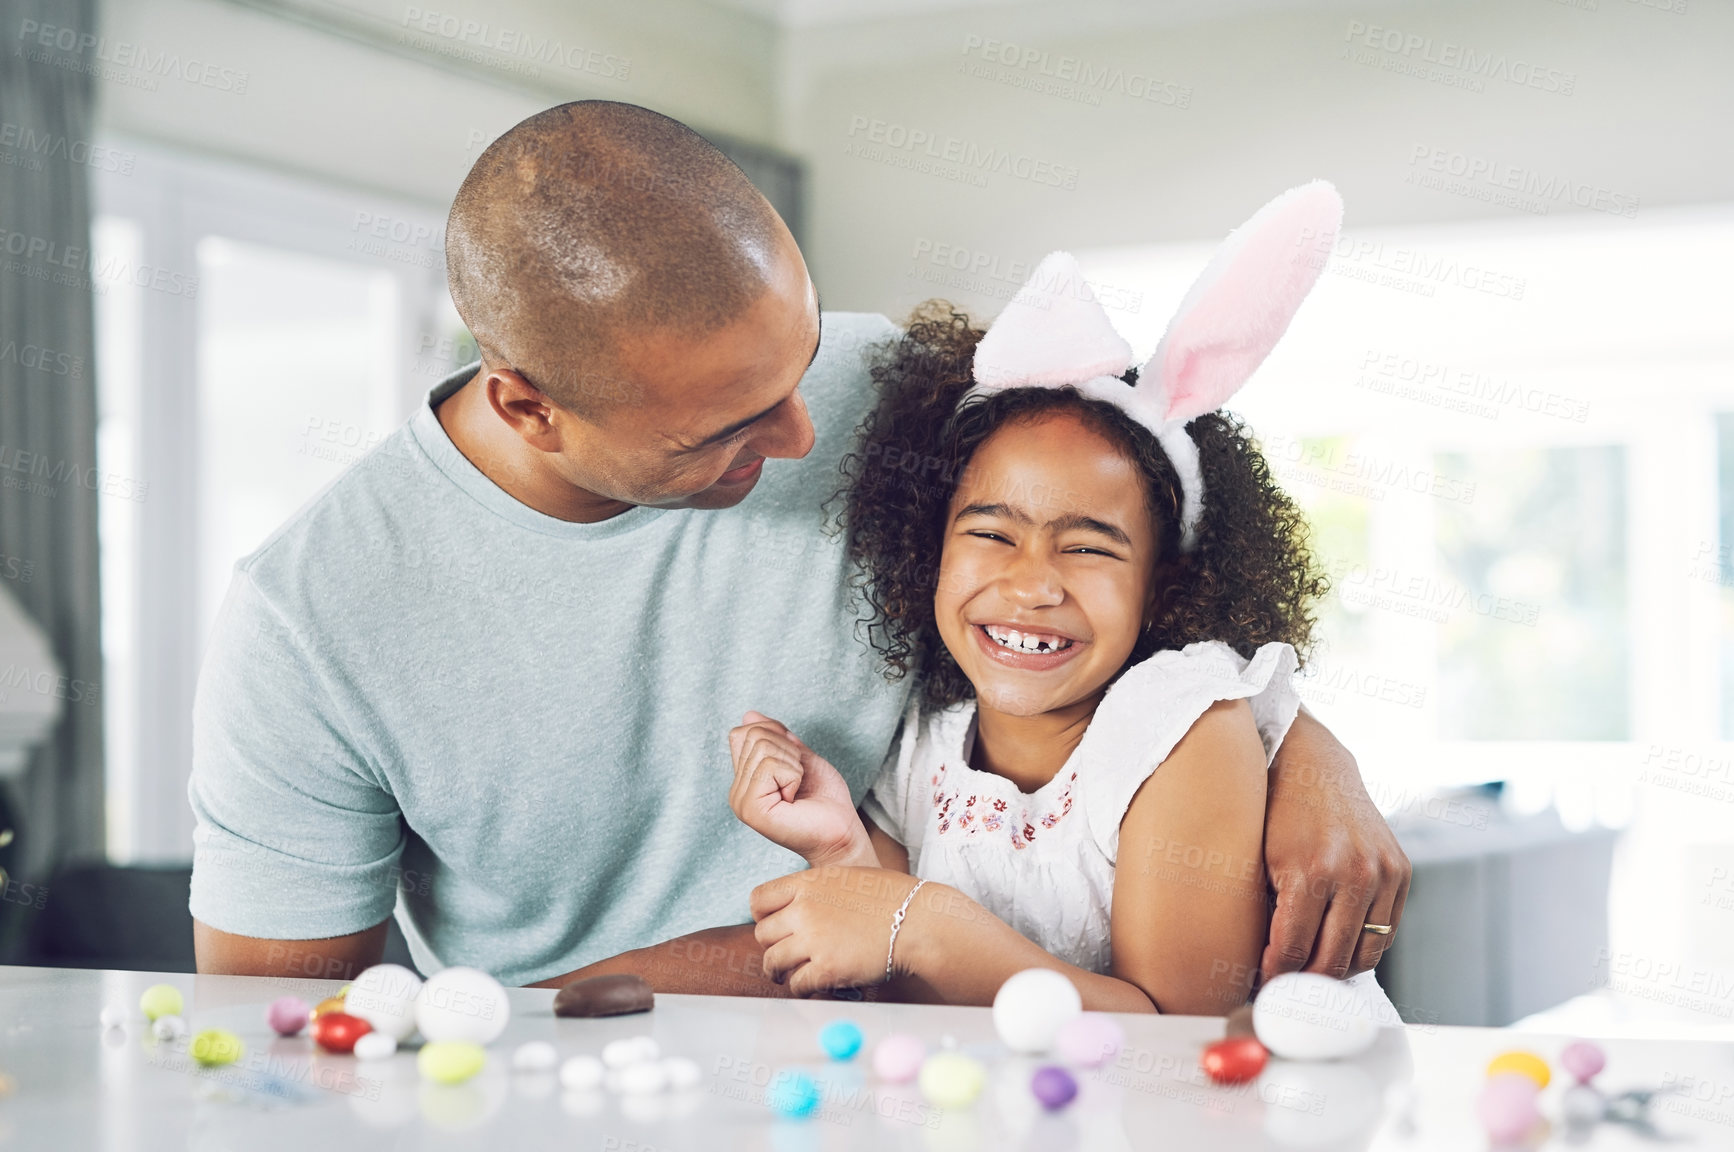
<point>1186,934</point>
<point>1189,902</point>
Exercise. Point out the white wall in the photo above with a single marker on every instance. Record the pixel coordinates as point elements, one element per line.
<point>322,100</point>
<point>1271,104</point>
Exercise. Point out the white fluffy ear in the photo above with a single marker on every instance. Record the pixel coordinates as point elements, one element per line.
<point>1242,303</point>
<point>1053,332</point>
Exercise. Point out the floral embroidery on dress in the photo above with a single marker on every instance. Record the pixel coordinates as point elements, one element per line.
<point>1022,828</point>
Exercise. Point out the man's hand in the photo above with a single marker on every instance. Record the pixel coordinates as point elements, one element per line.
<point>715,962</point>
<point>792,796</point>
<point>1332,859</point>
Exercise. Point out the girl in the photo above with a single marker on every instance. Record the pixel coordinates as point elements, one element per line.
<point>1102,593</point>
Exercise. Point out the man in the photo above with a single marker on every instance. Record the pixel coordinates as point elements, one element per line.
<point>486,678</point>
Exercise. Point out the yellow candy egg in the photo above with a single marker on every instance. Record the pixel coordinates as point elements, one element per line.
<point>214,1047</point>
<point>328,1005</point>
<point>450,1061</point>
<point>952,1080</point>
<point>1524,1064</point>
<point>161,1000</point>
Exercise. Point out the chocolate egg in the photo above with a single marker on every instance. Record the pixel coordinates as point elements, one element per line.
<point>1031,1007</point>
<point>1234,1060</point>
<point>462,1004</point>
<point>384,996</point>
<point>616,995</point>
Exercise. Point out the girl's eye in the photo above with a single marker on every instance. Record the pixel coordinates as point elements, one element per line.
<point>982,534</point>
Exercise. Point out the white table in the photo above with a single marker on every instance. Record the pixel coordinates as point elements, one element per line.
<point>76,1087</point>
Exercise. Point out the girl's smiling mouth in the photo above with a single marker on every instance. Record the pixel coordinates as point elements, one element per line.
<point>1031,650</point>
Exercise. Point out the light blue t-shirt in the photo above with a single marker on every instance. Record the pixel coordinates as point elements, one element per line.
<point>422,695</point>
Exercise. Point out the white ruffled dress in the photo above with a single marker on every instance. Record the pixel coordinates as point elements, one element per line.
<point>1044,861</point>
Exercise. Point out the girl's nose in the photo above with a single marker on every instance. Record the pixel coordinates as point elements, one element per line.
<point>1032,581</point>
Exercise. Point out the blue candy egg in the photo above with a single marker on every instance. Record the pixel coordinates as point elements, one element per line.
<point>840,1039</point>
<point>792,1094</point>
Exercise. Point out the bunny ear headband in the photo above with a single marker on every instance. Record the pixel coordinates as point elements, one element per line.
<point>1055,333</point>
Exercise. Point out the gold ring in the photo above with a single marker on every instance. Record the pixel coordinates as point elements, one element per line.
<point>1381,929</point>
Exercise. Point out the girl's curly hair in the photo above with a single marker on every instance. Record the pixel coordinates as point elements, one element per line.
<point>1251,579</point>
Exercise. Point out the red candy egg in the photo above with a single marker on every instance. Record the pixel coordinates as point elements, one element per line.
<point>1234,1060</point>
<point>338,1031</point>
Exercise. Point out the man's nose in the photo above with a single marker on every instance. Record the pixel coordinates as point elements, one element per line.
<point>787,434</point>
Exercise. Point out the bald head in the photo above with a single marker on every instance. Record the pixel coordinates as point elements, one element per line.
<point>596,223</point>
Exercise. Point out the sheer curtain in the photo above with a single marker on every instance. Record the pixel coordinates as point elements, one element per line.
<point>48,500</point>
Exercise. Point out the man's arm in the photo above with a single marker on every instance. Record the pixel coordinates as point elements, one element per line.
<point>715,962</point>
<point>335,958</point>
<point>1332,859</point>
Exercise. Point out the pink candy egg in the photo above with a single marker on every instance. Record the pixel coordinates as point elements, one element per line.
<point>1089,1039</point>
<point>898,1057</point>
<point>287,1015</point>
<point>1508,1107</point>
<point>1583,1060</point>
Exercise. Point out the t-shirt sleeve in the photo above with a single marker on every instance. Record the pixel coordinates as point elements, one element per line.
<point>1154,704</point>
<point>295,838</point>
<point>893,803</point>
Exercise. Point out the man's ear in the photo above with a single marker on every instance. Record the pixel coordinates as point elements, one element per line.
<point>523,407</point>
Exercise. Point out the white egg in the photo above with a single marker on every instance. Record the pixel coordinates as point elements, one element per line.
<point>462,1004</point>
<point>385,997</point>
<point>113,1016</point>
<point>682,1073</point>
<point>1305,1016</point>
<point>1030,1009</point>
<point>536,1056</point>
<point>582,1073</point>
<point>167,1028</point>
<point>376,1046</point>
<point>633,1050</point>
<point>641,1079</point>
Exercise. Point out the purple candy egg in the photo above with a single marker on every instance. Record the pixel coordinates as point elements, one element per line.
<point>1508,1106</point>
<point>1054,1087</point>
<point>1583,1060</point>
<point>287,1015</point>
<point>1089,1039</point>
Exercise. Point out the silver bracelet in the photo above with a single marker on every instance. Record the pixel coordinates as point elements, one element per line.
<point>896,923</point>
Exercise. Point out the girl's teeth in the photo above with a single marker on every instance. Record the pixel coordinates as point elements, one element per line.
<point>1010,638</point>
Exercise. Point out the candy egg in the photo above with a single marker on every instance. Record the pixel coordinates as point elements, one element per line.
<point>462,1004</point>
<point>287,1015</point>
<point>1582,1105</point>
<point>1031,1007</point>
<point>1234,1060</point>
<point>535,1056</point>
<point>1305,1016</point>
<point>582,1073</point>
<point>682,1073</point>
<point>840,1039</point>
<point>952,1080</point>
<point>1089,1039</point>
<point>615,995</point>
<point>327,1005</point>
<point>376,1046</point>
<point>898,1057</point>
<point>450,1061</point>
<point>641,1078</point>
<point>1054,1087</point>
<point>338,1031</point>
<point>161,1000</point>
<point>166,1028</point>
<point>1523,1064</point>
<point>1508,1107</point>
<point>384,996</point>
<point>113,1016</point>
<point>213,1047</point>
<point>1583,1060</point>
<point>633,1050</point>
<point>792,1094</point>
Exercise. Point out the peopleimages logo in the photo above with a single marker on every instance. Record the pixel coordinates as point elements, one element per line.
<point>159,63</point>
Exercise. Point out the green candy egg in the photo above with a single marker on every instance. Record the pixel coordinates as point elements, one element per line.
<point>952,1080</point>
<point>450,1061</point>
<point>160,1000</point>
<point>214,1047</point>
